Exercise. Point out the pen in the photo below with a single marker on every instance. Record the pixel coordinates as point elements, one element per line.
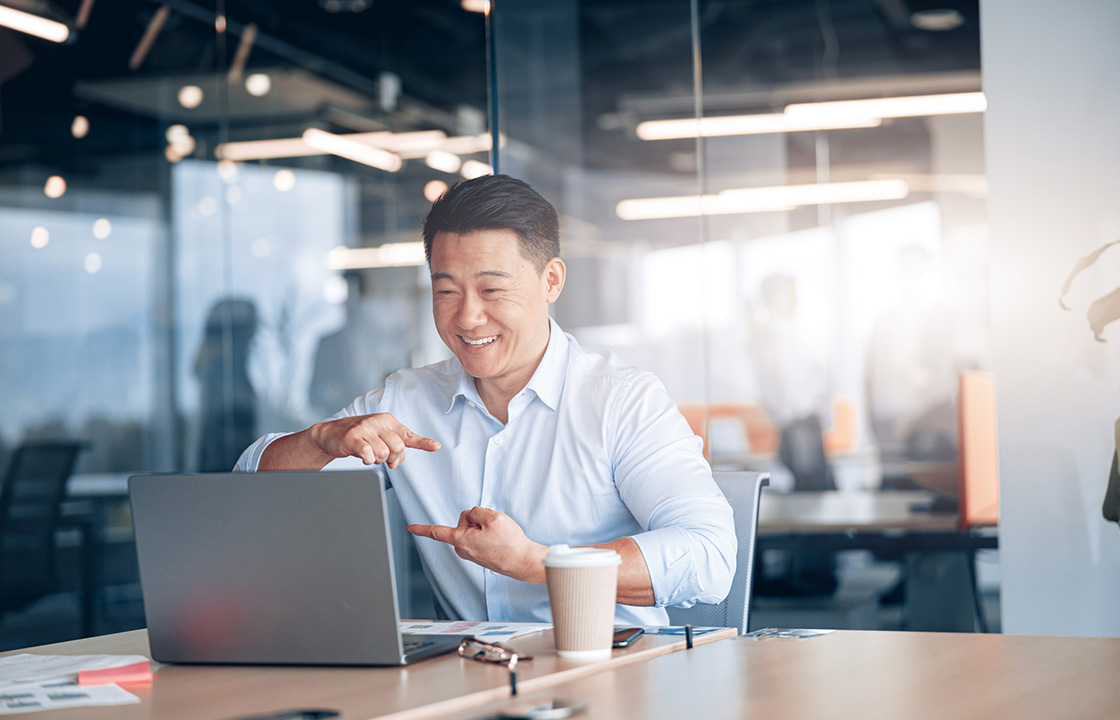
<point>295,715</point>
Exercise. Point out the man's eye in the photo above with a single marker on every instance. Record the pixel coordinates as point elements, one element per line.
<point>491,291</point>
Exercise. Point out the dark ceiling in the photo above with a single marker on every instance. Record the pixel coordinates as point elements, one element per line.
<point>634,57</point>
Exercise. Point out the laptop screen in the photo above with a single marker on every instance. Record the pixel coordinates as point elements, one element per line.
<point>284,568</point>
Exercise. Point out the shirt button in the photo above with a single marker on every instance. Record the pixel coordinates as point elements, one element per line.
<point>490,506</point>
<point>470,403</point>
<point>498,440</point>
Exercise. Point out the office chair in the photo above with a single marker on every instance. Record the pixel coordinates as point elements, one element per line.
<point>743,490</point>
<point>30,498</point>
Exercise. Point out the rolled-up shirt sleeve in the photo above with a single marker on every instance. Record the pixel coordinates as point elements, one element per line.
<point>689,542</point>
<point>251,458</point>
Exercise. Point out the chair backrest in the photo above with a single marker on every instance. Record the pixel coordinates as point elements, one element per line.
<point>978,451</point>
<point>33,489</point>
<point>743,490</point>
<point>802,452</point>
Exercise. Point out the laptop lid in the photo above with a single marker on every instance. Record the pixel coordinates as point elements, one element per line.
<point>268,568</point>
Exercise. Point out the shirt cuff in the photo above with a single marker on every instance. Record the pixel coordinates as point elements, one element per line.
<point>670,560</point>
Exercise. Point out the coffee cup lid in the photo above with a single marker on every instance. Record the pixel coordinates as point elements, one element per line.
<point>575,557</point>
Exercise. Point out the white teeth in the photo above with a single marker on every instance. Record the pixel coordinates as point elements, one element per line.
<point>481,342</point>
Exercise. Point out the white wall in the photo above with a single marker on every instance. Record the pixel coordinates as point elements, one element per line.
<point>1052,77</point>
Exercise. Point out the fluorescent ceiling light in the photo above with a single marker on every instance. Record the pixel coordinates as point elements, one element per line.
<point>83,14</point>
<point>241,57</point>
<point>389,255</point>
<point>476,6</point>
<point>356,151</point>
<point>148,38</point>
<point>761,199</point>
<point>742,125</point>
<point>34,25</point>
<point>443,161</point>
<point>405,145</point>
<point>913,106</point>
<point>413,144</point>
<point>802,117</point>
<point>265,149</point>
<point>473,168</point>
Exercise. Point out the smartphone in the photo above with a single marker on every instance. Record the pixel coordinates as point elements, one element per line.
<point>624,636</point>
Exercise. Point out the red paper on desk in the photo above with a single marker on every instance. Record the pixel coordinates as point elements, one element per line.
<point>135,673</point>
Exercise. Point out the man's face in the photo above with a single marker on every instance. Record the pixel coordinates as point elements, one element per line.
<point>491,305</point>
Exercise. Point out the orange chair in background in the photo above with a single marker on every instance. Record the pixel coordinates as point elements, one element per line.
<point>759,433</point>
<point>978,450</point>
<point>841,436</point>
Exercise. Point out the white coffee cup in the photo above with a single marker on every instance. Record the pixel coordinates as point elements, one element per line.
<point>582,587</point>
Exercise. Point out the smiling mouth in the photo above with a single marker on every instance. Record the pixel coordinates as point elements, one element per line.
<point>480,342</point>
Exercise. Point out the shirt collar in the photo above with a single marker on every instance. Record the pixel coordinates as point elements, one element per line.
<point>547,381</point>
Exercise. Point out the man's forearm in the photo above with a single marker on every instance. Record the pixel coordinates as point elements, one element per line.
<point>634,584</point>
<point>293,452</point>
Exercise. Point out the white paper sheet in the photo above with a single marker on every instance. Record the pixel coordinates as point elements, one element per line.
<point>30,682</point>
<point>493,631</point>
<point>30,697</point>
<point>29,667</point>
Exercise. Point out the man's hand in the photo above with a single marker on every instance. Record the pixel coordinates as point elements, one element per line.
<point>374,439</point>
<point>493,540</point>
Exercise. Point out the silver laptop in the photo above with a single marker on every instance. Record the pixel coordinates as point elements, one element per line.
<point>289,568</point>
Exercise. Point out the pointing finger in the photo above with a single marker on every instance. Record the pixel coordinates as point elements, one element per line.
<point>419,442</point>
<point>442,533</point>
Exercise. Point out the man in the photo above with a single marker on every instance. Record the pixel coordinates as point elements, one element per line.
<point>526,439</point>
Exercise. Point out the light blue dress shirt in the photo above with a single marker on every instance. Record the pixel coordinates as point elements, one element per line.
<point>593,450</point>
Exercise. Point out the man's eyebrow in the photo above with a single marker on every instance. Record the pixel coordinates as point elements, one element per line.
<point>481,273</point>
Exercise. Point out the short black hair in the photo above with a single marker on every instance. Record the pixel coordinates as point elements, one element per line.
<point>497,202</point>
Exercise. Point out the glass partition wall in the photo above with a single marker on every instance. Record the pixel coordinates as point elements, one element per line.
<point>210,211</point>
<point>209,214</point>
<point>778,207</point>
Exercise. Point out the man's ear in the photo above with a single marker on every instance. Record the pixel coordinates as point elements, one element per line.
<point>553,275</point>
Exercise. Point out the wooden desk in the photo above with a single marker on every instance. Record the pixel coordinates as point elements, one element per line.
<point>941,587</point>
<point>858,675</point>
<point>431,688</point>
<point>99,486</point>
<point>850,511</point>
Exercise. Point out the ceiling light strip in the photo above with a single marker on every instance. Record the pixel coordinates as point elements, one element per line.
<point>149,38</point>
<point>389,255</point>
<point>405,145</point>
<point>356,151</point>
<point>726,125</point>
<point>912,106</point>
<point>763,199</point>
<point>35,25</point>
<point>241,57</point>
<point>83,14</point>
<point>265,150</point>
<point>804,117</point>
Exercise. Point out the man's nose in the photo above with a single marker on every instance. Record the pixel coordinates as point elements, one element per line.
<point>470,313</point>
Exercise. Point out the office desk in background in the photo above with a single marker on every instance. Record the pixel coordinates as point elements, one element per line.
<point>846,674</point>
<point>941,589</point>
